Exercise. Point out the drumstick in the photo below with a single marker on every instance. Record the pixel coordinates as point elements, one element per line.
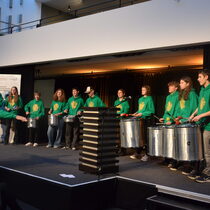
<point>156,117</point>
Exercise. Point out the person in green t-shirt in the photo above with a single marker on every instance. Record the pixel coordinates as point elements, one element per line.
<point>171,103</point>
<point>202,116</point>
<point>145,110</point>
<point>73,108</point>
<point>57,107</point>
<point>122,103</point>
<point>13,104</point>
<point>35,110</point>
<point>188,102</point>
<point>93,100</point>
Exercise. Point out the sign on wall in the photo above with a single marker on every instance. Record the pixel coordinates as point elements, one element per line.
<point>9,80</point>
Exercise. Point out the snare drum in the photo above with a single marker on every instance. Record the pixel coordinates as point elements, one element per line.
<point>69,118</point>
<point>155,144</point>
<point>189,143</point>
<point>31,123</point>
<point>169,141</point>
<point>52,120</point>
<point>131,132</point>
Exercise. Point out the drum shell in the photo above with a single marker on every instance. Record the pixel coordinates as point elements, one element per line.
<point>169,143</point>
<point>31,123</point>
<point>155,138</point>
<point>131,133</point>
<point>69,118</point>
<point>189,143</point>
<point>52,120</point>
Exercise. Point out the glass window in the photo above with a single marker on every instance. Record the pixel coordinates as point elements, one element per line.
<point>10,3</point>
<point>20,20</point>
<point>9,24</point>
<point>21,2</point>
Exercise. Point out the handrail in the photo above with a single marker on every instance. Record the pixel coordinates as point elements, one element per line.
<point>11,28</point>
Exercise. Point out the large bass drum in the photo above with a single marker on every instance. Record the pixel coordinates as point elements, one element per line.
<point>189,143</point>
<point>155,144</point>
<point>169,142</point>
<point>132,132</point>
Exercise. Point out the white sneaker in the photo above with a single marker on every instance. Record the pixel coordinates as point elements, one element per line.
<point>133,157</point>
<point>145,158</point>
<point>73,148</point>
<point>35,145</point>
<point>28,144</point>
<point>48,146</point>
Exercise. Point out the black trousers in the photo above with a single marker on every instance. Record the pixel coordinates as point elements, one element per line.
<point>14,124</point>
<point>34,133</point>
<point>72,133</point>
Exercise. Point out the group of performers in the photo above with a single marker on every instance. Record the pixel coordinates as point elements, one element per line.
<point>182,105</point>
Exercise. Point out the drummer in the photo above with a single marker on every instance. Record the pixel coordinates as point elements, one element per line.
<point>170,109</point>
<point>93,100</point>
<point>188,101</point>
<point>203,117</point>
<point>74,108</point>
<point>57,107</point>
<point>122,103</point>
<point>35,110</point>
<point>145,110</point>
<point>171,103</point>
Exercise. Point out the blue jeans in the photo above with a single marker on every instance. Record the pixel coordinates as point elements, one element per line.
<point>55,129</point>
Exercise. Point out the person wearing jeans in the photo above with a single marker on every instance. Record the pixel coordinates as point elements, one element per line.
<point>57,107</point>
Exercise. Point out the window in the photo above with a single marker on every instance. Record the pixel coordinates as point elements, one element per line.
<point>21,2</point>
<point>0,19</point>
<point>10,4</point>
<point>20,20</point>
<point>10,24</point>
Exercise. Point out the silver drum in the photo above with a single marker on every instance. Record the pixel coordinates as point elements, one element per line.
<point>31,123</point>
<point>52,120</point>
<point>169,141</point>
<point>189,143</point>
<point>155,144</point>
<point>69,118</point>
<point>131,133</point>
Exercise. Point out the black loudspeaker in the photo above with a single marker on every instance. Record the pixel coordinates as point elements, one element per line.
<point>100,140</point>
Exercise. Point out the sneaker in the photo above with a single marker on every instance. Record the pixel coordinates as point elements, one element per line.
<point>173,168</point>
<point>170,165</point>
<point>65,147</point>
<point>134,156</point>
<point>73,148</point>
<point>56,147</point>
<point>35,145</point>
<point>203,178</point>
<point>48,146</point>
<point>145,158</point>
<point>193,175</point>
<point>28,144</point>
<point>187,171</point>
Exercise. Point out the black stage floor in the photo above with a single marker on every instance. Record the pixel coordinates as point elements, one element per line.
<point>49,163</point>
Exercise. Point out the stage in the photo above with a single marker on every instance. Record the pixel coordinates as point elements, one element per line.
<point>47,165</point>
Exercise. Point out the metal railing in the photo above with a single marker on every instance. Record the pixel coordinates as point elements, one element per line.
<point>71,15</point>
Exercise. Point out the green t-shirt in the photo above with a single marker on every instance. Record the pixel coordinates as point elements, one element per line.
<point>204,106</point>
<point>12,105</point>
<point>170,107</point>
<point>1,100</point>
<point>122,105</point>
<point>94,101</point>
<point>186,107</point>
<point>74,105</point>
<point>146,106</point>
<point>35,108</point>
<point>57,107</point>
